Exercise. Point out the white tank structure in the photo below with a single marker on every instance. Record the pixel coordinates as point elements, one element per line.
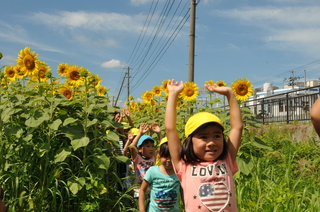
<point>267,87</point>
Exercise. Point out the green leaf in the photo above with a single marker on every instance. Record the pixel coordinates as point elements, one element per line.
<point>16,131</point>
<point>77,143</point>
<point>55,125</point>
<point>62,155</point>
<point>73,132</point>
<point>89,123</point>
<point>112,136</point>
<point>244,167</point>
<point>69,121</point>
<point>102,161</point>
<point>36,119</point>
<point>260,144</point>
<point>43,149</point>
<point>76,184</point>
<point>123,159</point>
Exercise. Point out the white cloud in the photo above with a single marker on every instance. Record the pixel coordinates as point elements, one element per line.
<point>283,28</point>
<point>139,2</point>
<point>90,21</point>
<point>112,64</point>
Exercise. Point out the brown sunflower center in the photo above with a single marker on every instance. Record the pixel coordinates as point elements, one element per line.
<point>67,94</point>
<point>74,75</point>
<point>29,62</point>
<point>189,92</point>
<point>242,90</point>
<point>11,73</point>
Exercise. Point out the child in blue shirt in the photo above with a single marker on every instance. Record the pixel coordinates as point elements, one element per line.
<point>163,182</point>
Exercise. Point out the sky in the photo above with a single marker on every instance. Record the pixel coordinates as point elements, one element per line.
<point>264,41</point>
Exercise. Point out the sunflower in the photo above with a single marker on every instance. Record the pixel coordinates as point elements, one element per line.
<point>95,80</point>
<point>27,60</point>
<point>164,87</point>
<point>102,91</point>
<point>73,75</point>
<point>10,73</point>
<point>66,91</point>
<point>40,73</point>
<point>156,90</point>
<point>242,88</point>
<point>147,97</point>
<point>62,69</point>
<point>190,91</point>
<point>221,83</point>
<point>210,82</point>
<point>20,73</point>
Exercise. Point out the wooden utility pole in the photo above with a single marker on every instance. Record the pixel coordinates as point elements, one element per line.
<point>192,36</point>
<point>124,76</point>
<point>128,88</point>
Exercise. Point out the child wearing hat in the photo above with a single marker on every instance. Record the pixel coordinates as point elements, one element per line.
<point>143,154</point>
<point>206,162</point>
<point>163,182</point>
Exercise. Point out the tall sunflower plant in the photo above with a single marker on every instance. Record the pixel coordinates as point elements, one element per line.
<point>58,139</point>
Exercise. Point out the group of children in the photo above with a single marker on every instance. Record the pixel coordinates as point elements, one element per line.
<point>199,170</point>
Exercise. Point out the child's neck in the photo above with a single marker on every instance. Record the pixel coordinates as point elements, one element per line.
<point>166,171</point>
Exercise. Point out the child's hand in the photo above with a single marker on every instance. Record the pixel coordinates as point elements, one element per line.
<point>220,90</point>
<point>144,127</point>
<point>175,87</point>
<point>155,127</point>
<point>126,112</point>
<point>130,136</point>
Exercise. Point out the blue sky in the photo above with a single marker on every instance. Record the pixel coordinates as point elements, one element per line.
<point>234,39</point>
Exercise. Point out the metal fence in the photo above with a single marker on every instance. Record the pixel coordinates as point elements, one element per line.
<point>285,107</point>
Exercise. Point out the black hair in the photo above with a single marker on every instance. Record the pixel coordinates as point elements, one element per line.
<point>147,141</point>
<point>164,150</point>
<point>187,153</point>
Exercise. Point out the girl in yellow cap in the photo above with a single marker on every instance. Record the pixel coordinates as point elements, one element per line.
<point>206,162</point>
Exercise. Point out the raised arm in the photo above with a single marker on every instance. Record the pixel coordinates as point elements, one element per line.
<point>315,115</point>
<point>133,147</point>
<point>234,139</point>
<point>156,129</point>
<point>127,114</point>
<point>175,147</point>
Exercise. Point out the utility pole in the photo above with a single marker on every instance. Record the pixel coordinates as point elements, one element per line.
<point>292,79</point>
<point>128,88</point>
<point>193,5</point>
<point>124,76</point>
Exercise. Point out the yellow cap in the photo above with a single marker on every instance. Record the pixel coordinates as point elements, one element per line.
<point>134,131</point>
<point>199,119</point>
<point>125,123</point>
<point>163,140</point>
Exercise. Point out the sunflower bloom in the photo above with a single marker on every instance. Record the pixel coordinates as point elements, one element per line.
<point>40,73</point>
<point>95,80</point>
<point>62,69</point>
<point>221,83</point>
<point>102,91</point>
<point>27,61</point>
<point>73,75</point>
<point>164,87</point>
<point>190,91</point>
<point>20,73</point>
<point>66,92</point>
<point>210,82</point>
<point>147,97</point>
<point>242,88</point>
<point>156,90</point>
<point>10,73</point>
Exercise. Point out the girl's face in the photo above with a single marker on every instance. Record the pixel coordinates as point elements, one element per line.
<point>148,150</point>
<point>166,162</point>
<point>208,143</point>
